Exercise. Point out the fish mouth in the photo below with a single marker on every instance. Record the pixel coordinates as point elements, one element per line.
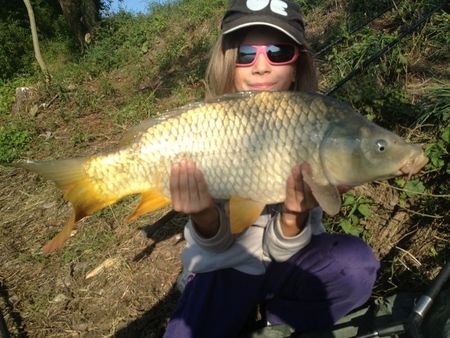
<point>413,165</point>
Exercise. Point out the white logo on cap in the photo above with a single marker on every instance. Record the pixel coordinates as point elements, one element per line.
<point>276,6</point>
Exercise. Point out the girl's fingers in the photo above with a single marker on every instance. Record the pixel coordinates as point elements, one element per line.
<point>294,187</point>
<point>309,199</point>
<point>298,194</point>
<point>204,197</point>
<point>183,186</point>
<point>192,188</point>
<point>174,186</point>
<point>188,188</point>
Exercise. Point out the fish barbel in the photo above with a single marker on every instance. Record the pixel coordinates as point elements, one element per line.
<point>245,144</point>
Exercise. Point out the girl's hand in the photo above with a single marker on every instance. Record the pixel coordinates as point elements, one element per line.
<point>190,195</point>
<point>299,201</point>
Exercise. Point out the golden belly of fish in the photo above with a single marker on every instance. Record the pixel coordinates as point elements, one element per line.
<point>246,145</point>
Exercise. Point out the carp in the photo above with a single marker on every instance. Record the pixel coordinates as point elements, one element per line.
<point>245,144</point>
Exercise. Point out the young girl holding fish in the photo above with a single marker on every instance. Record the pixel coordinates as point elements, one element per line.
<point>285,264</point>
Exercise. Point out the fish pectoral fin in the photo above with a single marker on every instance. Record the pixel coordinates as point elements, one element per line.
<point>151,200</point>
<point>243,213</point>
<point>327,196</point>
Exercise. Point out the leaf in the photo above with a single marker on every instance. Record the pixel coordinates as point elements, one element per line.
<point>435,153</point>
<point>364,210</point>
<point>144,48</point>
<point>402,59</point>
<point>351,229</point>
<point>414,187</point>
<point>446,134</point>
<point>349,199</point>
<point>400,181</point>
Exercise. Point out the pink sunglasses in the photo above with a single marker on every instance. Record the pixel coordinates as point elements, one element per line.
<point>277,54</point>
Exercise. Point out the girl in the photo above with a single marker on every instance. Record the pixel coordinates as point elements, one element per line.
<point>285,263</point>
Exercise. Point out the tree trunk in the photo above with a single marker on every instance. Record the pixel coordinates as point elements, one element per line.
<point>81,16</point>
<point>37,51</point>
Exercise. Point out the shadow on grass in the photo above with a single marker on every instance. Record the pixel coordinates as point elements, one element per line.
<point>13,314</point>
<point>150,324</point>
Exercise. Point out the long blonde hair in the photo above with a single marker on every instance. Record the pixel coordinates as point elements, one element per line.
<point>222,63</point>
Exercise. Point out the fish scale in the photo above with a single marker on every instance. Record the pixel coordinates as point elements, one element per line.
<point>246,145</point>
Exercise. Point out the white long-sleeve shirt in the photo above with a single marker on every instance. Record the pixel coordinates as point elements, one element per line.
<point>249,252</point>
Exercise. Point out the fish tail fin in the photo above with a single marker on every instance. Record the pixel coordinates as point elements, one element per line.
<point>70,176</point>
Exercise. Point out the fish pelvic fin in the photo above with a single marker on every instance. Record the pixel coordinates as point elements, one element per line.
<point>70,176</point>
<point>151,200</point>
<point>243,213</point>
<point>58,241</point>
<point>327,196</point>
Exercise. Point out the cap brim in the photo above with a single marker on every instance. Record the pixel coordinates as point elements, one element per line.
<point>261,21</point>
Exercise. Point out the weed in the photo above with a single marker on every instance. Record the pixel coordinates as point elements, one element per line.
<point>410,188</point>
<point>7,97</point>
<point>137,109</point>
<point>436,108</point>
<point>106,88</point>
<point>14,141</point>
<point>354,210</point>
<point>80,138</point>
<point>436,104</point>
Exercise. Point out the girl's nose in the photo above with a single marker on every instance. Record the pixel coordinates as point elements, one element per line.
<point>261,65</point>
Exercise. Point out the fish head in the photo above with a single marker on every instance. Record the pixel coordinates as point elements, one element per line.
<point>360,151</point>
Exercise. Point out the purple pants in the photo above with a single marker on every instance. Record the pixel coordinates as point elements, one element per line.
<point>313,289</point>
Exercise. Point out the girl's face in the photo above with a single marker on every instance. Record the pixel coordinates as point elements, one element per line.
<point>262,75</point>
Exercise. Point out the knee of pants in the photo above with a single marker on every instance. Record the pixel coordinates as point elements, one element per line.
<point>357,264</point>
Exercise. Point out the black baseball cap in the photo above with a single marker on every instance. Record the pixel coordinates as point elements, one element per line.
<point>283,15</point>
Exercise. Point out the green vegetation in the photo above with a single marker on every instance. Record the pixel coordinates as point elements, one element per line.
<point>354,210</point>
<point>14,141</point>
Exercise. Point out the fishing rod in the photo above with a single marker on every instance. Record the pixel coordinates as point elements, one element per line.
<point>413,323</point>
<point>387,48</point>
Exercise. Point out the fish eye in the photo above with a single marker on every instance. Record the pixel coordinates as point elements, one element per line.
<point>381,145</point>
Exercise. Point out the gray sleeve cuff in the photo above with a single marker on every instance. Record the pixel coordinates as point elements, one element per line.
<point>220,241</point>
<point>279,247</point>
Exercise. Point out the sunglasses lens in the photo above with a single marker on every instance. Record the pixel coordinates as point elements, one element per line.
<point>276,53</point>
<point>246,54</point>
<point>280,53</point>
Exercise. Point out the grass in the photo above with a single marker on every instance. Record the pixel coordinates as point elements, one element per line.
<point>140,66</point>
<point>14,142</point>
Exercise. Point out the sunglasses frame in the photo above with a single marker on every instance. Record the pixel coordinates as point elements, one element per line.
<point>262,49</point>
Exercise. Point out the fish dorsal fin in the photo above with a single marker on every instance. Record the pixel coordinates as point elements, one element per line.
<point>151,200</point>
<point>135,132</point>
<point>243,213</point>
<point>326,195</point>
